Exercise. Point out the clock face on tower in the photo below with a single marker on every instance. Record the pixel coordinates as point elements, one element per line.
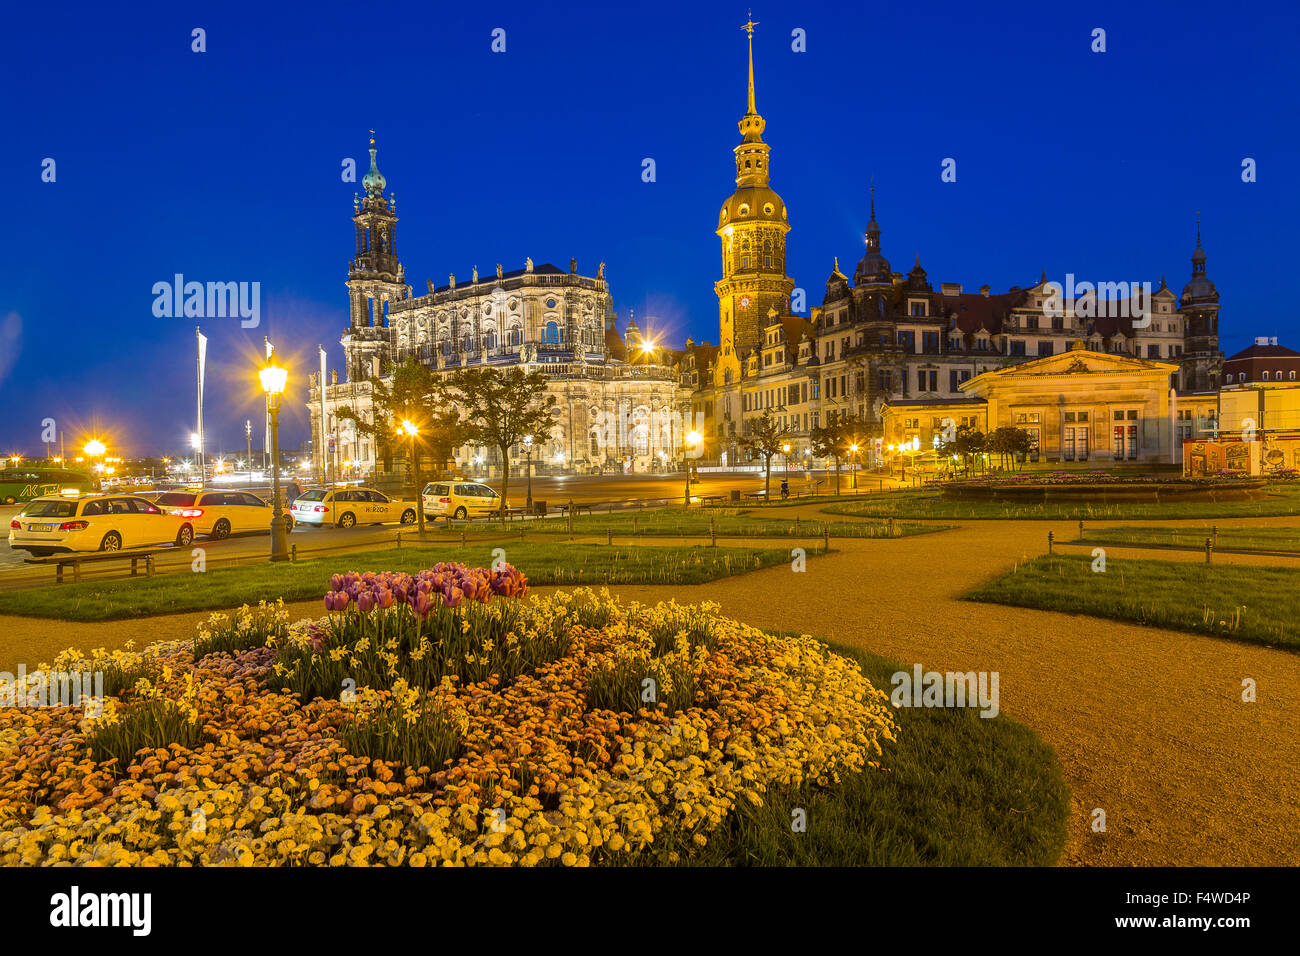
<point>744,302</point>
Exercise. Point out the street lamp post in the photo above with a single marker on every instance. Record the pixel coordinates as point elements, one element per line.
<point>692,441</point>
<point>94,449</point>
<point>248,437</point>
<point>528,448</point>
<point>273,381</point>
<point>410,429</point>
<point>853,450</point>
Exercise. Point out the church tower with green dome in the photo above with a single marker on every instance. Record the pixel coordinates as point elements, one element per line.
<point>375,275</point>
<point>752,226</point>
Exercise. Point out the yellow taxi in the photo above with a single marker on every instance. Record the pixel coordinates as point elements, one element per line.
<point>348,507</point>
<point>94,522</point>
<point>218,513</point>
<point>461,499</point>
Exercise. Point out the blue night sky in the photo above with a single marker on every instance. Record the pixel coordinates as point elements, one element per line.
<point>226,166</point>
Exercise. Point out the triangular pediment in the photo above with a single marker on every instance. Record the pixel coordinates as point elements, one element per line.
<point>1075,362</point>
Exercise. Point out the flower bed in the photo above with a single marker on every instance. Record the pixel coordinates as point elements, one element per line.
<point>435,719</point>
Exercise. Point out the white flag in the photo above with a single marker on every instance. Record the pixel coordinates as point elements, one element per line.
<point>266,441</point>
<point>320,445</point>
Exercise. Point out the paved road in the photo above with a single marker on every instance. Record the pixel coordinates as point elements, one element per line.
<point>616,490</point>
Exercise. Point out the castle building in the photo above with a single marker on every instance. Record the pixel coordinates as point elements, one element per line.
<point>885,338</point>
<point>617,397</point>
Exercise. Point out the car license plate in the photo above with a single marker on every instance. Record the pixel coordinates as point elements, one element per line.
<point>40,527</point>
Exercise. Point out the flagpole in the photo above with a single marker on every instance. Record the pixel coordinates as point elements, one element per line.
<point>266,438</point>
<point>198,338</point>
<point>322,444</point>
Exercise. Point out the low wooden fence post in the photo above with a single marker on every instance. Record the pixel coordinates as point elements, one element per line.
<point>1208,548</point>
<point>1050,537</point>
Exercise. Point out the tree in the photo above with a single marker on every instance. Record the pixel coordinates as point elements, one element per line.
<point>499,408</point>
<point>767,438</point>
<point>968,443</point>
<point>834,439</point>
<point>1009,442</point>
<point>412,393</point>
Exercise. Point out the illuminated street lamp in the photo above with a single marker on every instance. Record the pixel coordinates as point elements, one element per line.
<point>785,458</point>
<point>528,448</point>
<point>274,379</point>
<point>853,450</point>
<point>411,431</point>
<point>95,449</point>
<point>692,441</point>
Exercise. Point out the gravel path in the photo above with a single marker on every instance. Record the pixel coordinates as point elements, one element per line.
<point>1149,724</point>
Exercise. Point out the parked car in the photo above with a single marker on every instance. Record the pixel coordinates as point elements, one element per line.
<point>219,514</point>
<point>347,507</point>
<point>95,522</point>
<point>461,499</point>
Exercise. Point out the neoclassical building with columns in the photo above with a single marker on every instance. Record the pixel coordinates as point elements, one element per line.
<point>618,401</point>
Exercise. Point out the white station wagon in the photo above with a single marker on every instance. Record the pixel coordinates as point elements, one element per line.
<point>94,522</point>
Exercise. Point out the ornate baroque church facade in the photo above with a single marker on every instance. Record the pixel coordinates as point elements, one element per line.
<point>884,338</point>
<point>617,396</point>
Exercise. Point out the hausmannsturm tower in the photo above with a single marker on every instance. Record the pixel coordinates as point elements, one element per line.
<point>752,226</point>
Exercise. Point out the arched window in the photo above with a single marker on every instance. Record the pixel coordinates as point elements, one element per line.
<point>489,340</point>
<point>551,333</point>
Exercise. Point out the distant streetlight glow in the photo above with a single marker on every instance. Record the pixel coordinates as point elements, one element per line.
<point>274,378</point>
<point>692,441</point>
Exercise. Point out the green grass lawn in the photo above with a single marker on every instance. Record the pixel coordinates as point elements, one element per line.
<point>547,562</point>
<point>728,522</point>
<point>1282,499</point>
<point>1248,603</point>
<point>955,790</point>
<point>1228,538</point>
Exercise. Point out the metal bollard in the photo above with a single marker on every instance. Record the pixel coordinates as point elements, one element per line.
<point>891,527</point>
<point>293,552</point>
<point>1050,537</point>
<point>569,515</point>
<point>1208,549</point>
<point>399,539</point>
<point>462,537</point>
<point>609,536</point>
<point>634,521</point>
<point>1080,527</point>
